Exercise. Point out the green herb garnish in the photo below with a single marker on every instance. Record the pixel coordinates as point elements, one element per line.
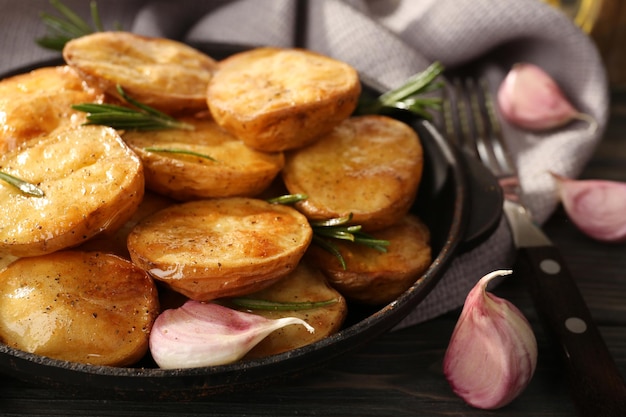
<point>142,117</point>
<point>179,151</point>
<point>410,95</point>
<point>67,26</point>
<point>24,186</point>
<point>287,199</point>
<point>253,304</point>
<point>338,228</point>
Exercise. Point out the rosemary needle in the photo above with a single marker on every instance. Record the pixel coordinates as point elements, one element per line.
<point>254,304</point>
<point>24,186</point>
<point>179,151</point>
<point>287,199</point>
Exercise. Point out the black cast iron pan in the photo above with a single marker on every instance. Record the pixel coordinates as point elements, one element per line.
<point>444,203</point>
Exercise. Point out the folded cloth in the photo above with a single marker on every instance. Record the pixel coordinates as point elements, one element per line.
<point>388,41</point>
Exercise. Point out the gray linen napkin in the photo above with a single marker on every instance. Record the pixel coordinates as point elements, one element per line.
<point>389,40</point>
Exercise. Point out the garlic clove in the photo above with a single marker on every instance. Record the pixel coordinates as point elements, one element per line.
<point>596,207</point>
<point>529,98</point>
<point>207,334</point>
<point>492,353</point>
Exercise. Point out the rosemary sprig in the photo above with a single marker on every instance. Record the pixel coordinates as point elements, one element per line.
<point>254,304</point>
<point>179,151</point>
<point>335,228</point>
<point>142,117</point>
<point>67,26</point>
<point>24,186</point>
<point>338,228</point>
<point>410,95</point>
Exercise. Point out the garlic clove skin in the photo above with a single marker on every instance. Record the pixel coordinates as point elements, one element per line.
<point>596,207</point>
<point>530,99</point>
<point>492,353</point>
<point>206,334</point>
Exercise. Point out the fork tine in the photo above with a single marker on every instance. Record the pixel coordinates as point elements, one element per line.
<point>499,146</point>
<point>472,124</point>
<point>481,123</point>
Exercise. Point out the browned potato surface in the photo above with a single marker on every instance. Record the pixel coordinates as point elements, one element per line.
<point>92,183</point>
<point>161,73</point>
<point>374,277</point>
<point>234,170</point>
<point>370,166</point>
<point>276,99</point>
<point>305,284</point>
<point>37,102</point>
<point>78,306</point>
<point>221,247</point>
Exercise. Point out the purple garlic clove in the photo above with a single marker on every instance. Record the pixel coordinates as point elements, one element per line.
<point>530,99</point>
<point>596,207</point>
<point>492,353</point>
<point>206,334</point>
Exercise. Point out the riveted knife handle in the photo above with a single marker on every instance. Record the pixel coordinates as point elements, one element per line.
<point>597,386</point>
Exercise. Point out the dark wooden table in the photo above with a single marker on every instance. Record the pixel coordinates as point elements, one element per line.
<point>400,374</point>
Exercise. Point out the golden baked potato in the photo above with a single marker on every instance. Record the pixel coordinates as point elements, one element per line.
<point>227,167</point>
<point>35,103</point>
<point>370,166</point>
<point>161,73</point>
<point>276,99</point>
<point>92,183</point>
<point>217,248</point>
<point>86,307</point>
<point>374,277</point>
<point>305,284</point>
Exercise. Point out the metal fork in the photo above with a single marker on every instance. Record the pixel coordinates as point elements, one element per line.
<point>471,122</point>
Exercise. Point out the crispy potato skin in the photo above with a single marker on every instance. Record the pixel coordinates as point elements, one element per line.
<point>221,247</point>
<point>374,277</point>
<point>92,183</point>
<point>82,307</point>
<point>277,99</point>
<point>236,169</point>
<point>36,103</point>
<point>161,73</point>
<point>305,284</point>
<point>370,166</point>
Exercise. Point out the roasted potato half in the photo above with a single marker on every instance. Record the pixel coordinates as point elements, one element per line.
<point>92,182</point>
<point>306,284</point>
<point>217,248</point>
<point>162,73</point>
<point>37,102</point>
<point>370,166</point>
<point>206,162</point>
<point>374,277</point>
<point>85,307</point>
<point>276,99</point>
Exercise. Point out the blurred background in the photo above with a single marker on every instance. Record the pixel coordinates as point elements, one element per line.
<point>605,22</point>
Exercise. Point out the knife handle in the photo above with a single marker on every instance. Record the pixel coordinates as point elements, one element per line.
<point>597,386</point>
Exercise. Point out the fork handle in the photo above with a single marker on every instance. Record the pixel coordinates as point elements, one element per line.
<point>597,386</point>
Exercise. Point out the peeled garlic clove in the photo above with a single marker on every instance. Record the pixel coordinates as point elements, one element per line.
<point>596,207</point>
<point>492,353</point>
<point>206,334</point>
<point>529,98</point>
